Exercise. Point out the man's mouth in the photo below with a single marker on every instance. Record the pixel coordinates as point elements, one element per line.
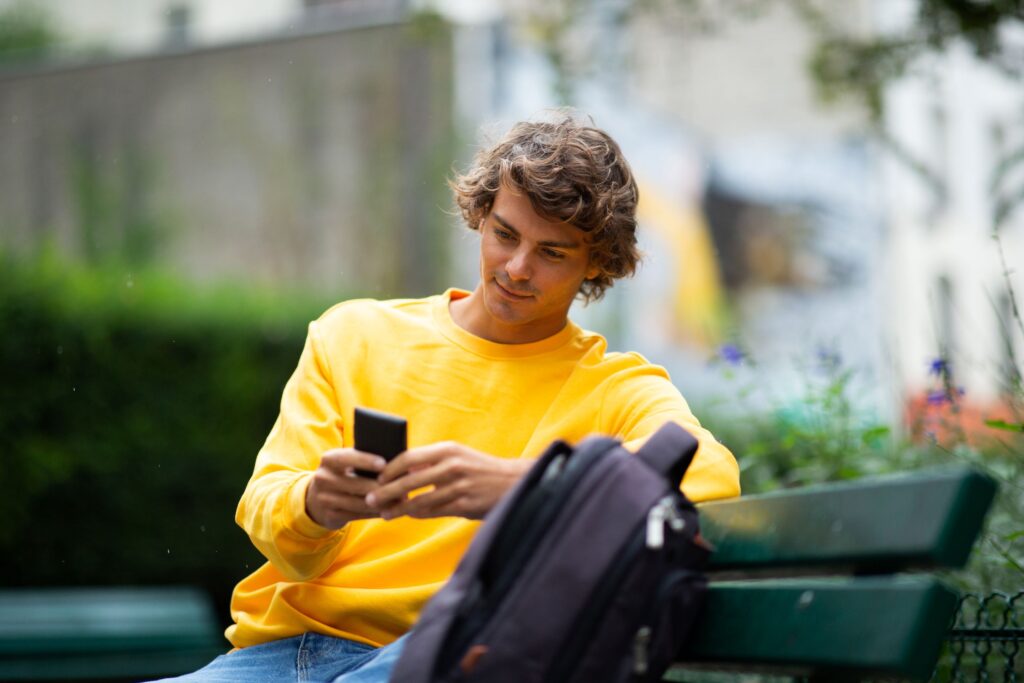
<point>511,293</point>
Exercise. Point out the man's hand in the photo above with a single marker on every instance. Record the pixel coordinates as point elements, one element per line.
<point>466,482</point>
<point>336,495</point>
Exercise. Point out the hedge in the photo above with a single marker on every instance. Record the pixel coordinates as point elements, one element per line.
<point>131,410</point>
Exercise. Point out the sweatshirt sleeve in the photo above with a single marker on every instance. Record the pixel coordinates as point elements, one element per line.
<point>640,401</point>
<point>272,510</point>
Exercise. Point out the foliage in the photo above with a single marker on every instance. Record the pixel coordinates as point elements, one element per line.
<point>132,408</point>
<point>822,435</point>
<point>862,66</point>
<point>825,435</point>
<point>26,33</point>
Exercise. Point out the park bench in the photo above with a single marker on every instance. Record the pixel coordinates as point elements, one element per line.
<point>832,582</point>
<point>65,634</point>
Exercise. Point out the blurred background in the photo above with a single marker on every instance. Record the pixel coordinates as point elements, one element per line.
<point>831,216</point>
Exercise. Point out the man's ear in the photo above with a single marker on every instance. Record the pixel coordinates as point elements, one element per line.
<point>592,272</point>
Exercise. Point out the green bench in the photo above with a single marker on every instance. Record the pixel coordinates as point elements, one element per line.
<point>64,634</point>
<point>831,582</point>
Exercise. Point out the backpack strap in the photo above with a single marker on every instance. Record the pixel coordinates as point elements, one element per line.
<point>669,452</point>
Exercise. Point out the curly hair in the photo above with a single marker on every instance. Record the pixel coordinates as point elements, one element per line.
<point>570,172</point>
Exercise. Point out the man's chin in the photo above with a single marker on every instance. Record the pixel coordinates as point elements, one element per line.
<point>503,311</point>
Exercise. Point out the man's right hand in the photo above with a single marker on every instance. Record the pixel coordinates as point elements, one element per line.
<point>336,495</point>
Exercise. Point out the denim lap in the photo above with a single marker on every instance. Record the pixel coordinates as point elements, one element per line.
<point>309,658</point>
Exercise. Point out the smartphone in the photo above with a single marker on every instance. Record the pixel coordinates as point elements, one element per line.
<point>378,433</point>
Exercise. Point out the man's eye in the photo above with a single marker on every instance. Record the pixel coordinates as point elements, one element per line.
<point>503,234</point>
<point>554,255</point>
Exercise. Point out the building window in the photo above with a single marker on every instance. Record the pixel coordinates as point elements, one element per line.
<point>177,26</point>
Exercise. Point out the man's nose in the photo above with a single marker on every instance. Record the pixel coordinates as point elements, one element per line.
<point>518,266</point>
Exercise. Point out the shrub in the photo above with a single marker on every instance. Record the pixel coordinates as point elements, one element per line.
<point>131,410</point>
<point>824,434</point>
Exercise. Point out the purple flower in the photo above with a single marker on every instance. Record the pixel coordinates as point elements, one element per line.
<point>939,367</point>
<point>731,354</point>
<point>937,397</point>
<point>828,358</point>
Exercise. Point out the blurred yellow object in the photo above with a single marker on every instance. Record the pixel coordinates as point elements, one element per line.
<point>697,303</point>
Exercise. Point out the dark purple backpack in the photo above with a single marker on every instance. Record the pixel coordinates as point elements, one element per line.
<point>590,569</point>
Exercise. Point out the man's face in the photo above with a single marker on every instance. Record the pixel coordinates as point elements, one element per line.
<point>531,269</point>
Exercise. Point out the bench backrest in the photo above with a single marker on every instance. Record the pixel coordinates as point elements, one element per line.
<point>814,581</point>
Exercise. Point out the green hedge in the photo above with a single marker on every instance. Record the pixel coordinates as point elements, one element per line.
<point>131,410</point>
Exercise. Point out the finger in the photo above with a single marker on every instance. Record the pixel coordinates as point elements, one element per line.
<point>399,489</point>
<point>414,459</point>
<point>343,461</point>
<point>348,504</point>
<point>350,484</point>
<point>436,503</point>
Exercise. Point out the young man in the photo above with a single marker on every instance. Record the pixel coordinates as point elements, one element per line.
<point>486,379</point>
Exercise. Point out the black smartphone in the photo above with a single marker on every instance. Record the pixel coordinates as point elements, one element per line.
<point>378,433</point>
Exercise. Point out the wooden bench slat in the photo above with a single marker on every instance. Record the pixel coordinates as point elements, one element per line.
<point>890,626</point>
<point>920,520</point>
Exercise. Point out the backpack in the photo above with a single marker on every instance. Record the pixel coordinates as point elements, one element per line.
<point>589,569</point>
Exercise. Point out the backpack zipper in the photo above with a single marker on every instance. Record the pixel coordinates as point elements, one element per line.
<point>642,638</point>
<point>641,647</point>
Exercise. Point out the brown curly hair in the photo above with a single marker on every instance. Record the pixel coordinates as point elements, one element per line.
<point>571,172</point>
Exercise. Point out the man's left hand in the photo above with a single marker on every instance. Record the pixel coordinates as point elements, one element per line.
<point>466,482</point>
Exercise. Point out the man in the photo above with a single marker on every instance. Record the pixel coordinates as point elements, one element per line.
<point>486,379</point>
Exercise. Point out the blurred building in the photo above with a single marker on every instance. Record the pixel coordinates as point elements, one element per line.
<point>949,212</point>
<point>140,26</point>
<point>310,155</point>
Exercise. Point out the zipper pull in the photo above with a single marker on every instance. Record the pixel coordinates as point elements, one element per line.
<point>641,644</point>
<point>675,519</point>
<point>656,526</point>
<point>663,511</point>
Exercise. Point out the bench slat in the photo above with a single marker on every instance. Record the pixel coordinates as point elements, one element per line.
<point>889,626</point>
<point>921,520</point>
<point>84,620</point>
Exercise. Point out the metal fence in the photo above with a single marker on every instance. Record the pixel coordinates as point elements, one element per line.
<point>986,640</point>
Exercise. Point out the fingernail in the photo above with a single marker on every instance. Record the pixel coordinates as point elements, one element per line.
<point>381,462</point>
<point>386,516</point>
<point>371,500</point>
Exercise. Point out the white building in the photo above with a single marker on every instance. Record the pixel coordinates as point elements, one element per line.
<point>947,294</point>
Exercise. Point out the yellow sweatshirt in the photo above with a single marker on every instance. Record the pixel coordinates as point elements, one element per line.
<point>369,580</point>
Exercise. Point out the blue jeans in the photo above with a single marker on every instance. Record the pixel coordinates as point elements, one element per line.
<point>309,658</point>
